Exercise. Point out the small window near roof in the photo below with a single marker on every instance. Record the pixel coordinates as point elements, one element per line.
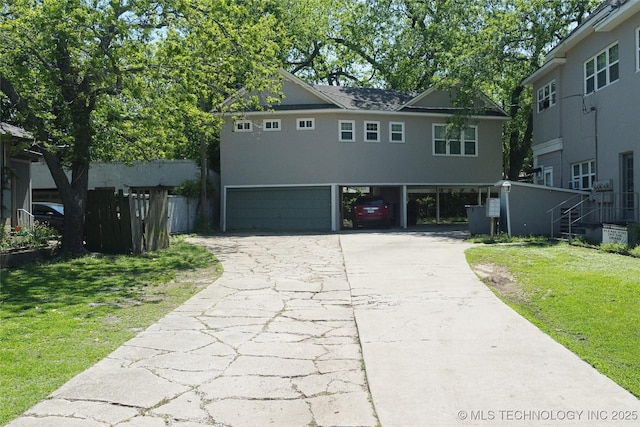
<point>243,126</point>
<point>305,124</point>
<point>396,132</point>
<point>272,125</point>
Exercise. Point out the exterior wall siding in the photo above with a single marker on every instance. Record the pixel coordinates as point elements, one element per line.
<point>295,157</point>
<point>603,124</point>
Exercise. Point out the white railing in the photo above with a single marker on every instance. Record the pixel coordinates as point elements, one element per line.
<point>25,219</point>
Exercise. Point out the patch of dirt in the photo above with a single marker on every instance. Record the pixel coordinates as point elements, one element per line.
<point>499,278</point>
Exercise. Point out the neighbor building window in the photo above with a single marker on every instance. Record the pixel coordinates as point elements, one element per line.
<point>372,131</point>
<point>305,124</point>
<point>638,49</point>
<point>457,142</point>
<point>346,130</point>
<point>583,175</point>
<point>272,125</point>
<point>396,132</point>
<point>243,126</point>
<point>547,96</point>
<point>547,176</point>
<point>602,69</point>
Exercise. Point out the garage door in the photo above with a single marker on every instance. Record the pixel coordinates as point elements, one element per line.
<point>299,208</point>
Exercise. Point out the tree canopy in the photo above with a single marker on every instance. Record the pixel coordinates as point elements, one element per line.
<point>125,79</point>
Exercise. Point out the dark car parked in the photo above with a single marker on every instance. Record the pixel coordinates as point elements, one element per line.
<point>50,214</point>
<point>371,210</point>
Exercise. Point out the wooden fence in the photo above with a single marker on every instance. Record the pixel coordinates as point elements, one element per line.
<point>120,224</point>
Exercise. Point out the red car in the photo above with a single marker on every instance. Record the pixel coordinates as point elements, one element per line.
<point>371,210</point>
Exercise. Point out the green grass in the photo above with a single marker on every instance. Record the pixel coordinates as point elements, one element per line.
<point>588,300</point>
<point>59,318</point>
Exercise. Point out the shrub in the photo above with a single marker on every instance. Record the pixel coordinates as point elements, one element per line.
<point>28,238</point>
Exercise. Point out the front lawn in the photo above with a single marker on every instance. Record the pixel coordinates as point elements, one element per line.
<point>586,299</point>
<point>59,318</point>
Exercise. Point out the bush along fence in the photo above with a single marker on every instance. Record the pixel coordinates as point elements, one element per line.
<point>133,223</point>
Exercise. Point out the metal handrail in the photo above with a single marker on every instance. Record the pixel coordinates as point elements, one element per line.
<point>25,218</point>
<point>567,212</point>
<point>565,201</point>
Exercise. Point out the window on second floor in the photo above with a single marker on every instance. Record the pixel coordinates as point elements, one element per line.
<point>243,126</point>
<point>547,96</point>
<point>459,142</point>
<point>305,124</point>
<point>583,175</point>
<point>371,131</point>
<point>396,132</point>
<point>602,69</point>
<point>346,130</point>
<point>272,125</point>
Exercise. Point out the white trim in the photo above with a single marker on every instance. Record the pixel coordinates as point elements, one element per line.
<point>448,140</point>
<point>617,16</point>
<point>401,132</point>
<point>636,35</point>
<point>267,122</point>
<point>606,69</point>
<point>306,121</point>
<point>548,147</point>
<point>244,129</point>
<point>353,131</point>
<point>367,131</point>
<point>547,67</point>
<point>549,93</point>
<point>547,170</point>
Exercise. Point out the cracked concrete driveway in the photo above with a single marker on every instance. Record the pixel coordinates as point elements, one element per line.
<point>358,329</point>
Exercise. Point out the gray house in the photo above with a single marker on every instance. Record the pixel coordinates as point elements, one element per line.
<point>15,175</point>
<point>586,113</point>
<point>287,166</point>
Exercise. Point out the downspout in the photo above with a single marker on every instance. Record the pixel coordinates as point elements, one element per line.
<point>595,119</point>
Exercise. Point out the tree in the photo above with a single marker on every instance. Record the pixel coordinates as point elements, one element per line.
<point>484,46</point>
<point>123,79</point>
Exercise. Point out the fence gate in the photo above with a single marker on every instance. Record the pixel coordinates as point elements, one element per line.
<point>134,223</point>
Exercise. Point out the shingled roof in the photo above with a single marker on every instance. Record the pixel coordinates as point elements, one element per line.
<point>353,98</point>
<point>7,129</point>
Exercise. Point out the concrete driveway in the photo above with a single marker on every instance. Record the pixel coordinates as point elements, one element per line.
<point>354,329</point>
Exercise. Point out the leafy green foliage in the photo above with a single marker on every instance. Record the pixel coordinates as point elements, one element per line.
<point>127,80</point>
<point>587,300</point>
<point>27,238</point>
<point>59,318</point>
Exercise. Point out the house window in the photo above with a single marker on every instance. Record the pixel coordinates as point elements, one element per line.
<point>346,130</point>
<point>243,126</point>
<point>396,132</point>
<point>638,49</point>
<point>459,142</point>
<point>305,124</point>
<point>602,69</point>
<point>372,131</point>
<point>548,176</point>
<point>582,175</point>
<point>547,96</point>
<point>272,125</point>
